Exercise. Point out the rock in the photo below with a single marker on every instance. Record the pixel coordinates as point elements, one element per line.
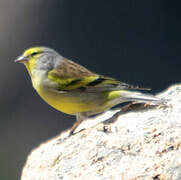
<point>139,145</point>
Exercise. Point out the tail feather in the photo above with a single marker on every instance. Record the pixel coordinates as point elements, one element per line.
<point>141,97</point>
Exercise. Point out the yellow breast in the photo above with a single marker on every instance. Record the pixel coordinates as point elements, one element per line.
<point>70,103</point>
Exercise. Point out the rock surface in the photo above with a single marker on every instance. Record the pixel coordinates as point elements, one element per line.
<point>139,145</point>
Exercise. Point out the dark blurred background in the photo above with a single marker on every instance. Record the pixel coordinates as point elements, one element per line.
<point>137,42</point>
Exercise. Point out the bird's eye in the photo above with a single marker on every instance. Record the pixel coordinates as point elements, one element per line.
<point>34,53</point>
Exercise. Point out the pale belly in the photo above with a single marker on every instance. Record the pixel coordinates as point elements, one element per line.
<point>72,103</point>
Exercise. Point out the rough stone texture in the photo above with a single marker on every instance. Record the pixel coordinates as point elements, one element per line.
<point>139,145</point>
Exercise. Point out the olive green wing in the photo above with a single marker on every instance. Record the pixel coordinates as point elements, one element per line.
<point>70,76</point>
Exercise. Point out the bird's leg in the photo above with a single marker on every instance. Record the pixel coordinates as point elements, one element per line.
<point>79,118</point>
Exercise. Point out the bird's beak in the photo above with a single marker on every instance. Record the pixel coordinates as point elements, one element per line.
<point>21,59</point>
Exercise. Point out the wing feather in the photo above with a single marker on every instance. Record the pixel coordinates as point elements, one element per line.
<point>70,76</point>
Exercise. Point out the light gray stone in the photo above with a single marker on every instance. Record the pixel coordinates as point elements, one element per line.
<point>139,145</point>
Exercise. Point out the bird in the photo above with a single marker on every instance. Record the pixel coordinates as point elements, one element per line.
<point>73,89</point>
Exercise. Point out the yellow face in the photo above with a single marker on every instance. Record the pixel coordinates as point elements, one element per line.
<point>30,56</point>
<point>32,51</point>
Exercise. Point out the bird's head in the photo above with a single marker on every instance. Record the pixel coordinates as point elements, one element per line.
<point>39,59</point>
